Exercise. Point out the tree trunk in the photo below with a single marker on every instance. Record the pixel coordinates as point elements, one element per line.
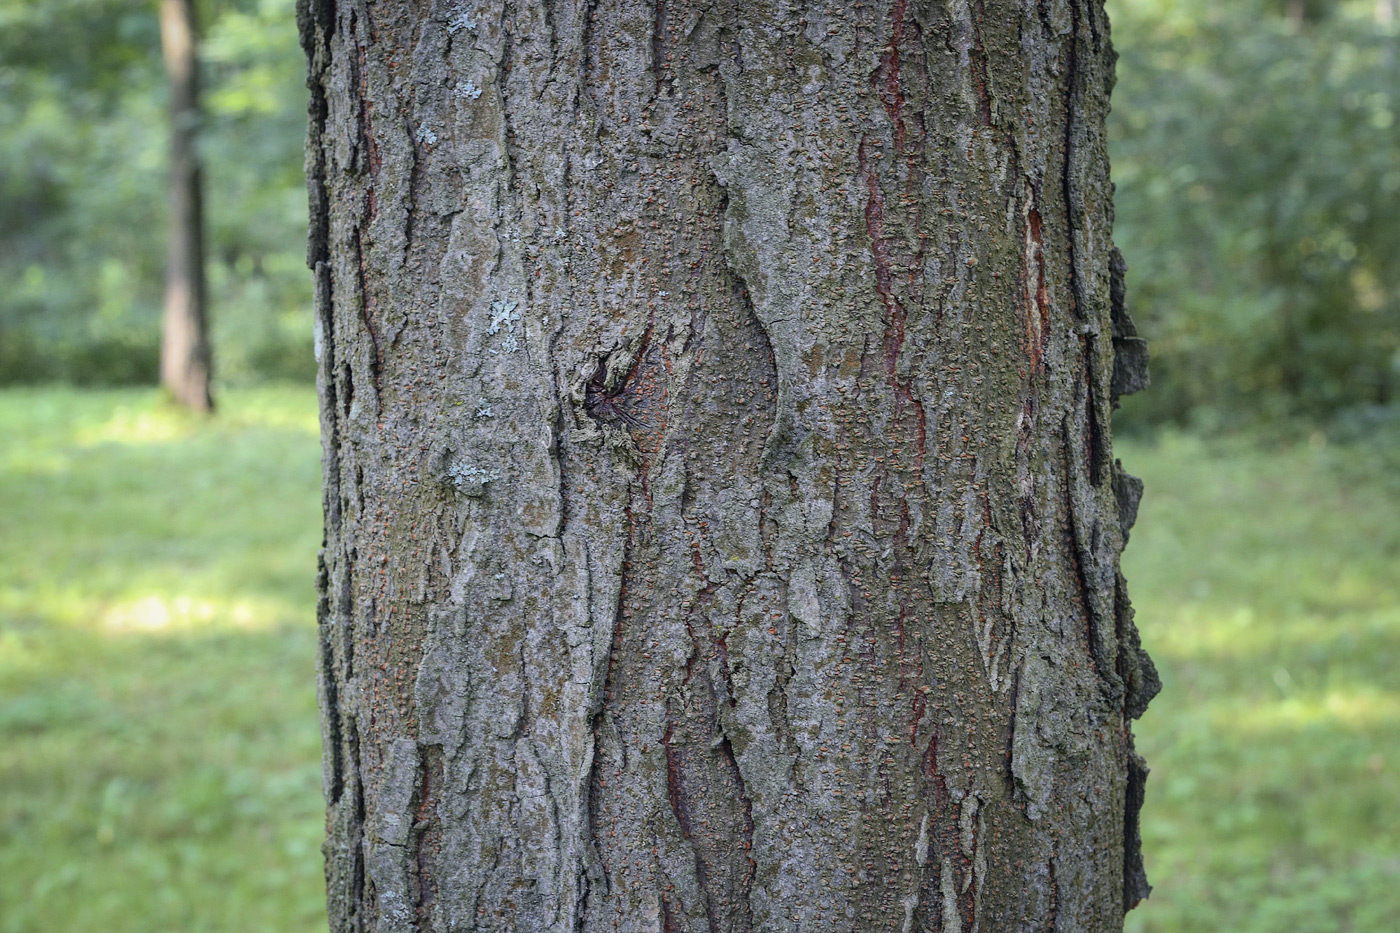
<point>184,347</point>
<point>722,527</point>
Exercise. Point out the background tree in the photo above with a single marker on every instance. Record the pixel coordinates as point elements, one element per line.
<point>722,526</point>
<point>184,350</point>
<point>83,196</point>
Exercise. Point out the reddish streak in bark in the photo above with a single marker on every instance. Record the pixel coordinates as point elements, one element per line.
<point>893,95</point>
<point>668,920</point>
<point>896,315</point>
<point>945,818</point>
<point>673,780</point>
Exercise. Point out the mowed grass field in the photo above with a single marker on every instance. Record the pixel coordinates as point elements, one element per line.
<point>159,743</point>
<point>159,764</point>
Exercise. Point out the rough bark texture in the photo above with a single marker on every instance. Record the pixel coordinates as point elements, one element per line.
<point>184,346</point>
<point>722,528</point>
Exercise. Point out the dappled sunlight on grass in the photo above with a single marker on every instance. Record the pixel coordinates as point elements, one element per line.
<point>159,612</point>
<point>138,610</point>
<point>1358,708</point>
<point>1265,579</point>
<point>48,430</point>
<point>157,691</point>
<point>143,424</point>
<point>1201,630</point>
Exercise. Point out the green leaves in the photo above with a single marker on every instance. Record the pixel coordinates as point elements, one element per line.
<point>1258,170</point>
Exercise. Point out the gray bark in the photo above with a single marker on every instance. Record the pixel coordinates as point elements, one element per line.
<point>722,527</point>
<point>184,347</point>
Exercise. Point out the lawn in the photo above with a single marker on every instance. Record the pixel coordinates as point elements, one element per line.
<point>158,738</point>
<point>1267,583</point>
<point>159,768</point>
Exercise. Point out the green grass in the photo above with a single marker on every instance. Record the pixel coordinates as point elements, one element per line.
<point>159,767</point>
<point>1267,583</point>
<point>158,734</point>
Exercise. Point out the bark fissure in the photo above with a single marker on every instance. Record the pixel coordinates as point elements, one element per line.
<point>721,519</point>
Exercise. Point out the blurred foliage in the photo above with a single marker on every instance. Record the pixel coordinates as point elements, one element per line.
<point>1255,145</point>
<point>1256,152</point>
<point>83,136</point>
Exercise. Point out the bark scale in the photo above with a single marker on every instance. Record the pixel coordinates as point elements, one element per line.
<point>184,345</point>
<point>722,527</point>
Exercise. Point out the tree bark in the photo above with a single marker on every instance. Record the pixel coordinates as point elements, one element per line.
<point>184,348</point>
<point>722,527</point>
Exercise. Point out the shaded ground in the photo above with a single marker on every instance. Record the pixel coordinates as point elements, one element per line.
<point>159,743</point>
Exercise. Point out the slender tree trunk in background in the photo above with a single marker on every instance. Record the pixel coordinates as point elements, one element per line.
<point>184,348</point>
<point>722,527</point>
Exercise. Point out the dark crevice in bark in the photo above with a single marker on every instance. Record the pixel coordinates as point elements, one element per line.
<point>943,817</point>
<point>330,702</point>
<point>1095,453</point>
<point>1047,28</point>
<point>599,720</point>
<point>1013,700</point>
<point>978,58</point>
<point>763,427</point>
<point>345,617</point>
<point>376,360</point>
<point>586,65</point>
<point>1079,552</point>
<point>425,835</point>
<point>710,802</point>
<point>415,182</point>
<point>1037,295</point>
<point>1095,39</point>
<point>353,833</point>
<point>1074,82</point>
<point>1052,916</point>
<point>658,41</point>
<point>668,915</point>
<point>365,156</point>
<point>347,379</point>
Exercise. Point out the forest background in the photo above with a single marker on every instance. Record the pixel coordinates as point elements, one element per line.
<point>158,740</point>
